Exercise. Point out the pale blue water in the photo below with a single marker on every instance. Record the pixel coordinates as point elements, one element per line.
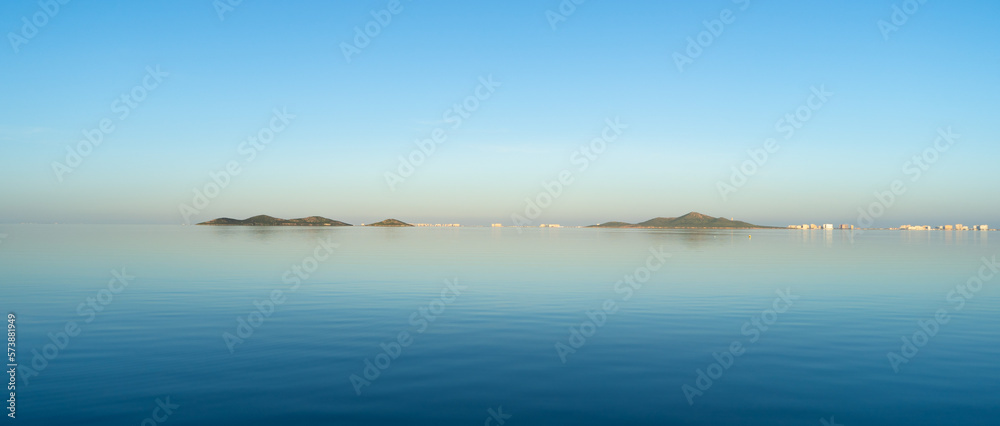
<point>494,344</point>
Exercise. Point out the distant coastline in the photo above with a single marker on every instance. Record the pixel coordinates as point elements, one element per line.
<point>265,220</point>
<point>691,220</point>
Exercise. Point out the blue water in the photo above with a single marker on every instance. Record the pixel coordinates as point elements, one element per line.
<point>493,345</point>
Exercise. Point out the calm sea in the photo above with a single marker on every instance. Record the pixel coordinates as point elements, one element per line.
<point>185,325</point>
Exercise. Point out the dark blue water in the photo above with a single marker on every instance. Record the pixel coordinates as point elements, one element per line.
<point>493,349</point>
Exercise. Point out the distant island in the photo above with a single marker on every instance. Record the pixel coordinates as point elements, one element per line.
<point>691,220</point>
<point>264,220</point>
<point>390,222</point>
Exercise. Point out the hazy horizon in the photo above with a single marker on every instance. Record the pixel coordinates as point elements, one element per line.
<point>485,222</point>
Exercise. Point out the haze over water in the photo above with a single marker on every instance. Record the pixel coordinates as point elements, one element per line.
<point>493,347</point>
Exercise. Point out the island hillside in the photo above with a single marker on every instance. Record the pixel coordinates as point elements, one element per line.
<point>265,220</point>
<point>389,222</point>
<point>691,220</point>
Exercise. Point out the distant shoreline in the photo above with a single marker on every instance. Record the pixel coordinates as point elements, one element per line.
<point>777,228</point>
<point>692,220</point>
<point>761,228</point>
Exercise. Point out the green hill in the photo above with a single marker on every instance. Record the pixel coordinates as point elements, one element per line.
<point>265,220</point>
<point>612,225</point>
<point>317,221</point>
<point>389,222</point>
<point>689,221</point>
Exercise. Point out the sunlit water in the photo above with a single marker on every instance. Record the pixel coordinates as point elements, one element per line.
<point>495,345</point>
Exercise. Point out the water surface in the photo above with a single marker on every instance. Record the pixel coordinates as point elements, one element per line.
<point>494,344</point>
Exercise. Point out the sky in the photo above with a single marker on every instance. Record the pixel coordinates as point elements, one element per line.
<point>519,95</point>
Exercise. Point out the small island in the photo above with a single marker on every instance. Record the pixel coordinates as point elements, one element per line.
<point>265,220</point>
<point>691,220</point>
<point>390,223</point>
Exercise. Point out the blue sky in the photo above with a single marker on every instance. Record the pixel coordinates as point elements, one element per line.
<point>606,60</point>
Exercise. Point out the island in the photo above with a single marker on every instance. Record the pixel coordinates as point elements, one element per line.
<point>691,220</point>
<point>265,220</point>
<point>390,222</point>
